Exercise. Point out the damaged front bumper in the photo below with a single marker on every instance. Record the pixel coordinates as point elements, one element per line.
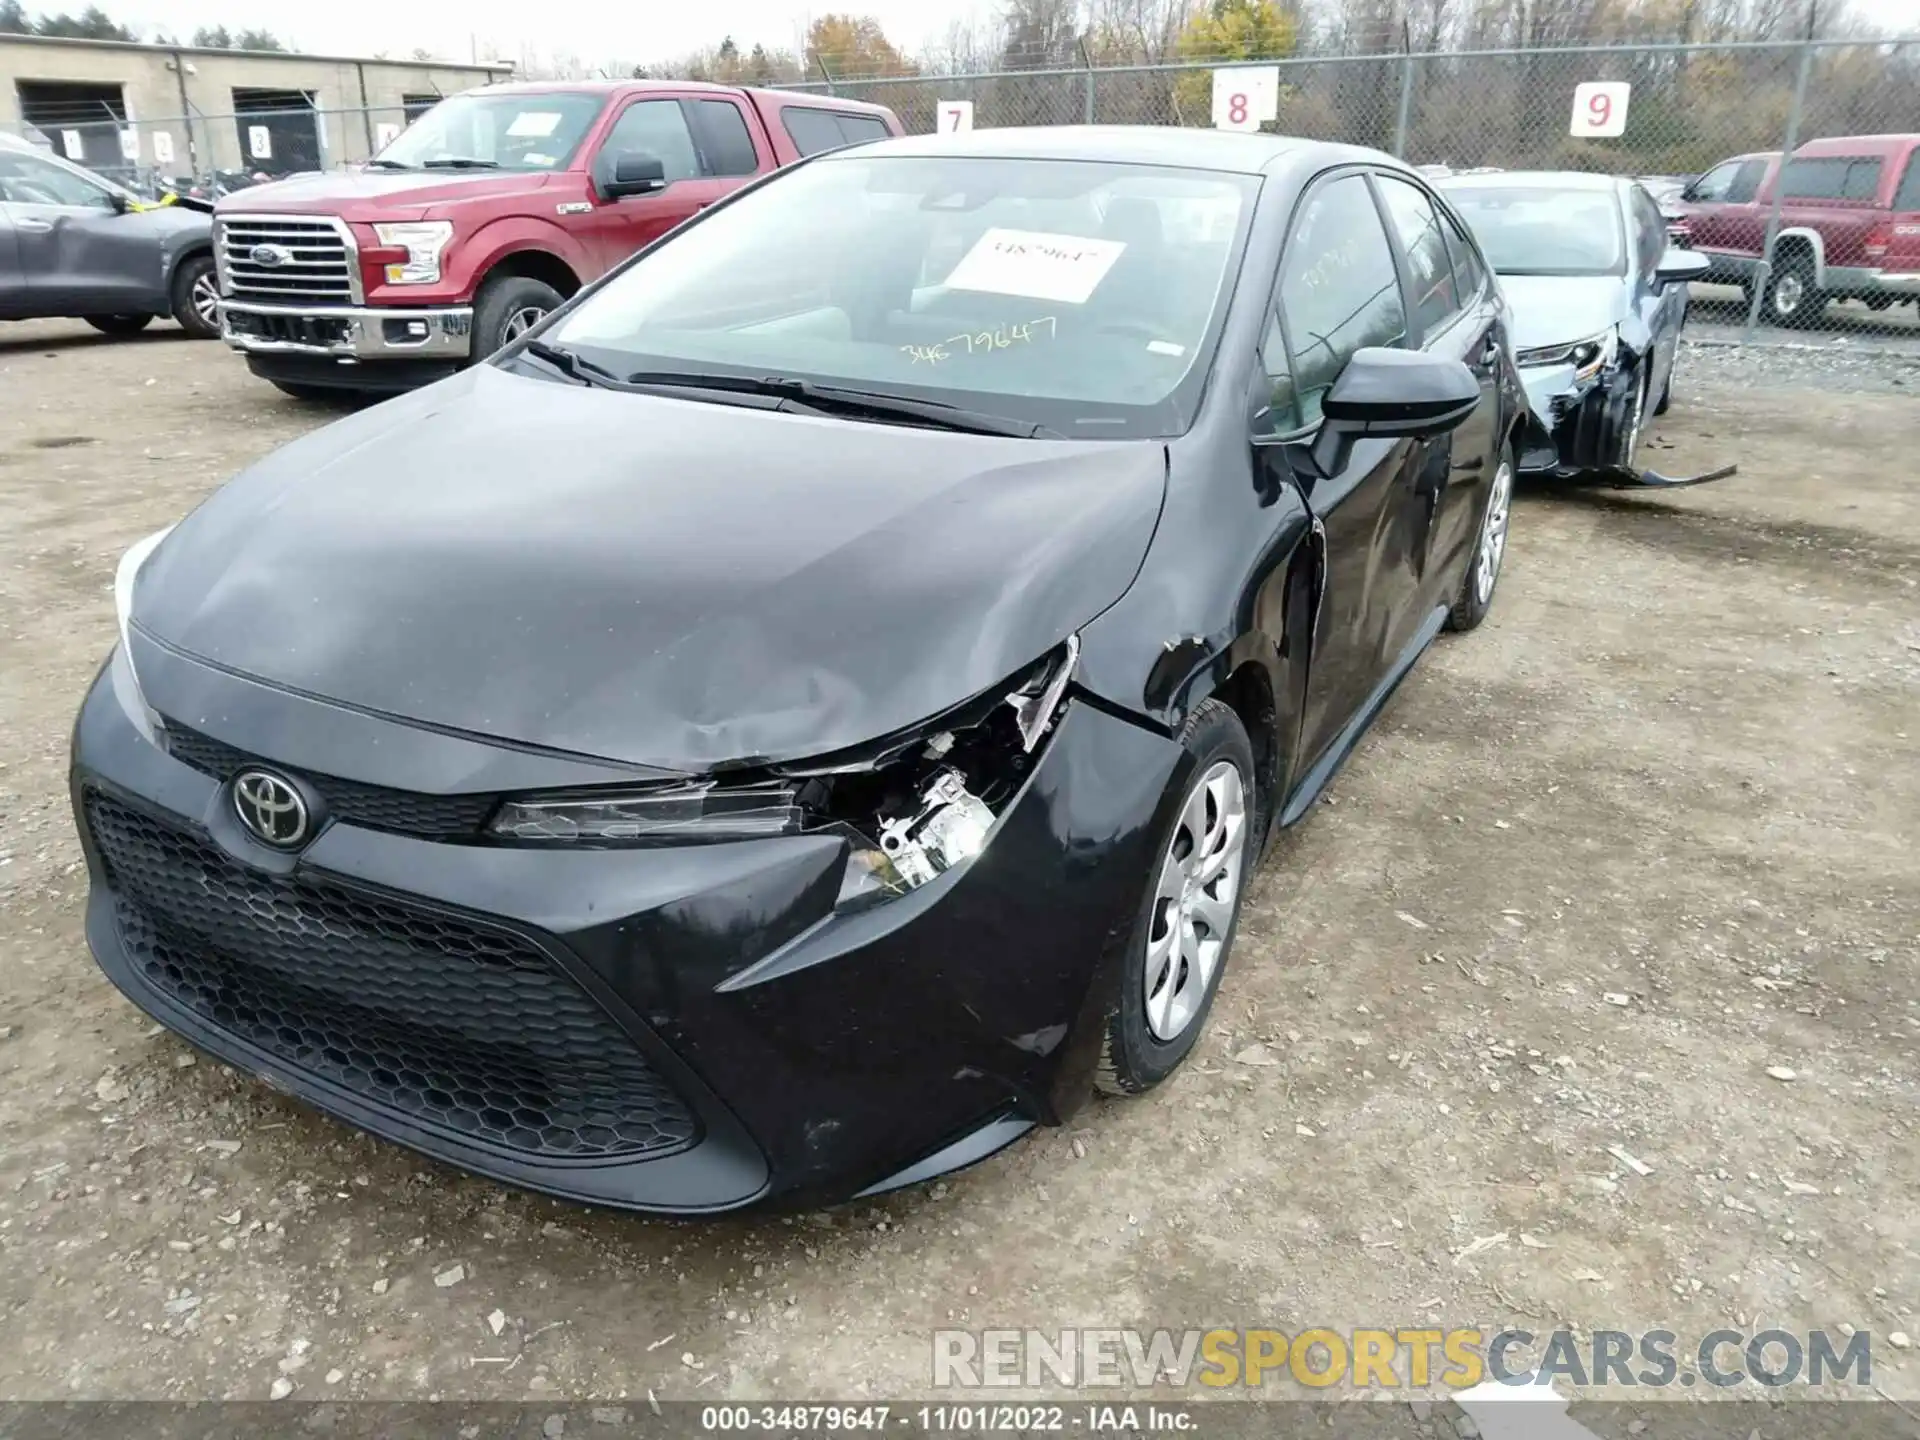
<point>678,1028</point>
<point>1575,423</point>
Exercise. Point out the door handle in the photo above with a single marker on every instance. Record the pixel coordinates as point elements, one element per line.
<point>32,226</point>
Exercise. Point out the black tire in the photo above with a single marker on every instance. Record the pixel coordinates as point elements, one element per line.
<point>1791,301</point>
<point>1133,1058</point>
<point>503,303</point>
<point>1471,605</point>
<point>194,288</point>
<point>315,394</point>
<point>119,324</point>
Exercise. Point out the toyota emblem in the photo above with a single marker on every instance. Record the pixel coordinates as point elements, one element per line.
<point>271,256</point>
<point>271,809</point>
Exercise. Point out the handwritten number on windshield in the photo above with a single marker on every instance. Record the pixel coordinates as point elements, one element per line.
<point>1001,337</point>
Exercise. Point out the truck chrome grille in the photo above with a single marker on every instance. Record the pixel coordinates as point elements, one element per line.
<point>291,260</point>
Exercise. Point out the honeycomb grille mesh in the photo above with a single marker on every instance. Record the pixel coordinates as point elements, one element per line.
<point>457,1025</point>
<point>406,812</point>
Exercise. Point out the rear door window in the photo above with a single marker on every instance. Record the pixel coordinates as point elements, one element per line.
<point>1414,219</point>
<point>721,132</point>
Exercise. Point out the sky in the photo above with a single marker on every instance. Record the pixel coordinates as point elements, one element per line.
<point>648,30</point>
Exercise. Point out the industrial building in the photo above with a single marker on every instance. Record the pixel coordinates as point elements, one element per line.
<point>134,111</point>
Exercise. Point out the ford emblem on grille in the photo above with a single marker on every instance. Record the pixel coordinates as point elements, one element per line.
<point>270,808</point>
<point>271,256</point>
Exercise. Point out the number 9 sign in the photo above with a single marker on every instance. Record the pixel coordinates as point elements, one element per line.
<point>1600,108</point>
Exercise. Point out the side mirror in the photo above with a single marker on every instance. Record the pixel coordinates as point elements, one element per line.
<point>632,172</point>
<point>1678,266</point>
<point>117,202</point>
<point>1385,392</point>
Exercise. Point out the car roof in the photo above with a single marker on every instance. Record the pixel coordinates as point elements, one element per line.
<point>1863,145</point>
<point>1533,180</point>
<point>1172,146</point>
<point>643,87</point>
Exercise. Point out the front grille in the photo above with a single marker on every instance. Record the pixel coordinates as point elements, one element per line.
<point>318,269</point>
<point>405,812</point>
<point>450,1023</point>
<point>321,331</point>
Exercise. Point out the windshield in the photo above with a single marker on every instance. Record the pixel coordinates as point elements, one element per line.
<point>1532,231</point>
<point>1084,297</point>
<point>507,132</point>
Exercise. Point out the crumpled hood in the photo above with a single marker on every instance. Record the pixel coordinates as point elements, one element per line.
<point>1553,310</point>
<point>659,581</point>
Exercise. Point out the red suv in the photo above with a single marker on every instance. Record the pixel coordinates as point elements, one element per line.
<point>493,208</point>
<point>1849,224</point>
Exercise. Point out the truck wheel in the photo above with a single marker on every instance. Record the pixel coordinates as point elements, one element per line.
<point>195,299</point>
<point>508,307</point>
<point>1791,299</point>
<point>315,394</point>
<point>119,324</point>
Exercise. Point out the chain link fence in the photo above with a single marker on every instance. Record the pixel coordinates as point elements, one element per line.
<point>1827,246</point>
<point>1830,248</point>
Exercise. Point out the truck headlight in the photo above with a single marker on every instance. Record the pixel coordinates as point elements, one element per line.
<point>423,240</point>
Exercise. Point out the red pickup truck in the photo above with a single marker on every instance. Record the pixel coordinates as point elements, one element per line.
<point>1849,224</point>
<point>488,212</point>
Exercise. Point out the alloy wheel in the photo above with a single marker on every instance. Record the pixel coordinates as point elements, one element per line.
<point>1194,900</point>
<point>520,321</point>
<point>1788,291</point>
<point>1493,534</point>
<point>205,299</point>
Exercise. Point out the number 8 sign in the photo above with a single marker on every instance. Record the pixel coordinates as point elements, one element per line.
<point>1244,96</point>
<point>1600,108</point>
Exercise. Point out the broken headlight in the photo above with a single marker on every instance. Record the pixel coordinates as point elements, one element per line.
<point>931,806</point>
<point>692,810</point>
<point>1588,357</point>
<point>910,807</point>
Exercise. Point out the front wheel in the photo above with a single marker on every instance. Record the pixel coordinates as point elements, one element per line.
<point>1178,951</point>
<point>120,324</point>
<point>1489,551</point>
<point>1791,300</point>
<point>196,298</point>
<point>507,308</point>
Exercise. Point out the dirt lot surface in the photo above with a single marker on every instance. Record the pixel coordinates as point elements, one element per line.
<point>1604,868</point>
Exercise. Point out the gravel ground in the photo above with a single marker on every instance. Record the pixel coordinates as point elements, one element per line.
<point>1649,835</point>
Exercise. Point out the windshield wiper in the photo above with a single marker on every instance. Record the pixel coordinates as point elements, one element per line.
<point>839,400</point>
<point>388,165</point>
<point>577,366</point>
<point>459,162</point>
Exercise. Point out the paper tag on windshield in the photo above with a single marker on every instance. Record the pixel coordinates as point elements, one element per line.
<point>1036,265</point>
<point>534,124</point>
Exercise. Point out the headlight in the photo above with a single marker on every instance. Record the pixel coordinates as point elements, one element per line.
<point>697,810</point>
<point>123,578</point>
<point>911,807</point>
<point>423,240</point>
<point>1588,357</point>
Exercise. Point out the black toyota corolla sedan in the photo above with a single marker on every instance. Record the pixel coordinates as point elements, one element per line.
<point>809,713</point>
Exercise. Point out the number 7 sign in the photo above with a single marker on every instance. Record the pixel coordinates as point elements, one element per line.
<point>955,116</point>
<point>1600,108</point>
